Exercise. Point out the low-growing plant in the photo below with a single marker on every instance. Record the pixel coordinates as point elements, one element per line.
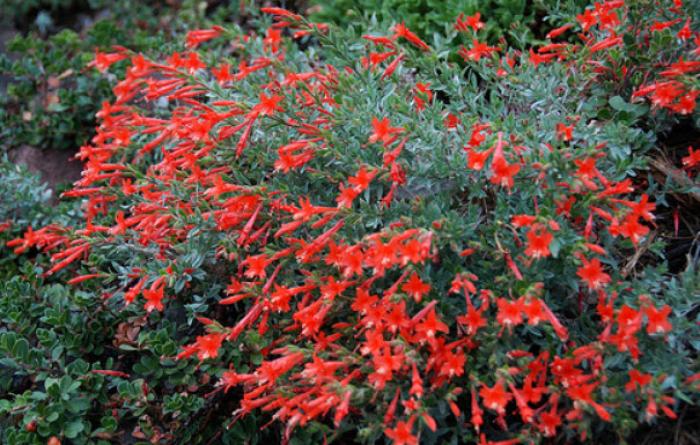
<point>366,240</point>
<point>517,21</point>
<point>51,96</point>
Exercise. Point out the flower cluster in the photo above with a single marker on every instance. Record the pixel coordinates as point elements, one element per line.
<point>397,248</point>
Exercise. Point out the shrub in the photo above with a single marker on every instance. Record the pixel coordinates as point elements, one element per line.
<point>25,197</point>
<point>517,21</point>
<point>366,240</point>
<point>51,97</point>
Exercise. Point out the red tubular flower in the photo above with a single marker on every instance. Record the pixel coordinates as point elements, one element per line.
<point>401,433</point>
<point>401,30</point>
<point>509,312</point>
<point>477,159</point>
<point>501,172</point>
<point>154,298</point>
<point>582,393</point>
<point>383,131</point>
<point>693,158</point>
<point>657,319</point>
<point>559,31</point>
<point>473,22</point>
<point>208,345</point>
<point>587,20</point>
<point>428,328</point>
<point>591,272</point>
<point>477,51</point>
<point>392,67</point>
<point>415,288</point>
<point>194,38</point>
<point>330,292</point>
<point>81,278</point>
<point>495,398</point>
<point>685,33</point>
<point>473,320</point>
<point>343,409</point>
<point>477,414</point>
<point>103,61</point>
<point>565,132</point>
<point>280,12</point>
<point>538,241</point>
<point>550,420</point>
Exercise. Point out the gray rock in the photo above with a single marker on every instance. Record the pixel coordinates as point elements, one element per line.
<point>56,167</point>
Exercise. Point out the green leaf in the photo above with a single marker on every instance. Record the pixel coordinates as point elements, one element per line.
<point>20,349</point>
<point>618,103</point>
<point>73,428</point>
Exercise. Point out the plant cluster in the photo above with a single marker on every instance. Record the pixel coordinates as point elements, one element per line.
<point>51,98</point>
<point>364,240</point>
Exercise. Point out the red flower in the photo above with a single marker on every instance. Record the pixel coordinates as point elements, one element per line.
<point>343,409</point>
<point>587,171</point>
<point>431,325</point>
<point>256,266</point>
<point>208,345</point>
<point>401,30</point>
<point>193,63</point>
<point>630,228</point>
<point>559,31</point>
<point>535,312</point>
<point>693,158</point>
<point>565,132</point>
<point>273,38</point>
<point>415,288</point>
<point>423,95</point>
<point>104,60</point>
<point>452,363</point>
<point>383,131</point>
<point>416,382</point>
<point>582,393</point>
<point>501,172</point>
<point>660,26</point>
<point>361,180</point>
<point>587,20</point>
<point>385,363</point>
<point>464,23</point>
<point>198,36</point>
<point>550,420</point>
<point>538,241</point>
<point>280,12</point>
<point>477,159</point>
<point>477,51</point>
<point>477,414</point>
<point>223,73</point>
<point>657,319</point>
<point>154,298</point>
<point>495,398</point>
<point>473,320</point>
<point>523,220</point>
<point>637,380</point>
<point>685,32</point>
<point>346,196</point>
<point>401,433</point>
<point>268,105</point>
<point>666,93</point>
<point>591,272</point>
<point>509,312</point>
<point>686,103</point>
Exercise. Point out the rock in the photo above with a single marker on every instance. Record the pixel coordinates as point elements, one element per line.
<point>56,167</point>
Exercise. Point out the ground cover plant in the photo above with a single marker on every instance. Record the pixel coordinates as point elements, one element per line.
<point>308,234</point>
<point>51,96</point>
